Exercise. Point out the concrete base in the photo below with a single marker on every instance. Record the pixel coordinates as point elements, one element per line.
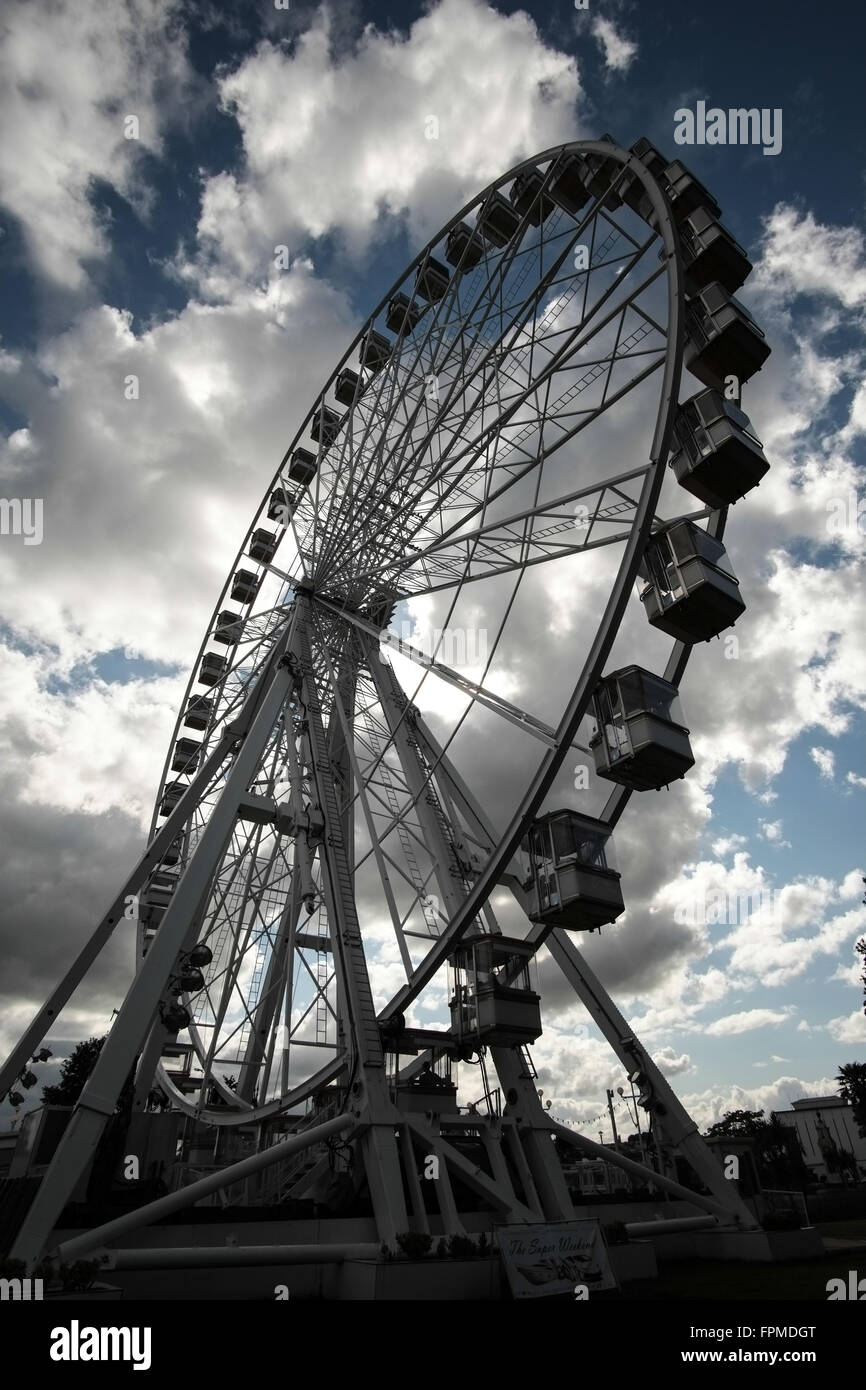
<point>637,1260</point>
<point>258,1282</point>
<point>406,1280</point>
<point>420,1280</point>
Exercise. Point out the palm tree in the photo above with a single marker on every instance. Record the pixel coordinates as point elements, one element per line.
<point>851,1080</point>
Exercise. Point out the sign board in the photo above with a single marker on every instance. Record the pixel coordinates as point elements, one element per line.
<point>542,1260</point>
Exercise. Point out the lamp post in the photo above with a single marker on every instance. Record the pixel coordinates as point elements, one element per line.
<point>621,1093</point>
<point>612,1119</point>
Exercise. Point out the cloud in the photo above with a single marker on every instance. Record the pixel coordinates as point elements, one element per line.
<point>851,885</point>
<point>824,760</point>
<point>712,1103</point>
<point>50,729</point>
<point>672,1063</point>
<point>618,51</point>
<point>152,499</point>
<point>574,1072</point>
<point>70,75</point>
<point>794,672</point>
<point>774,946</point>
<point>746,1022</point>
<point>801,255</point>
<point>772,831</point>
<point>403,128</point>
<point>848,974</point>
<point>59,872</point>
<point>723,846</point>
<point>850,1028</point>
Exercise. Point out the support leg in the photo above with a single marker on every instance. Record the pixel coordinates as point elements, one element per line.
<point>100,1094</point>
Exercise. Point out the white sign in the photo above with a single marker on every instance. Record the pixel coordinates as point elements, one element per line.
<point>542,1260</point>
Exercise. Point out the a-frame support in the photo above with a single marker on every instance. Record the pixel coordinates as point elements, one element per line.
<point>370,1101</point>
<point>138,1011</point>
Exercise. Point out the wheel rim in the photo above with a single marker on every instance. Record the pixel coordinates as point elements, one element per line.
<point>445,471</point>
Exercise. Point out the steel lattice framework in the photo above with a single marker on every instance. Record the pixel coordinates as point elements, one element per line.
<point>323,839</point>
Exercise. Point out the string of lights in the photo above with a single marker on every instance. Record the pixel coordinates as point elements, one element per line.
<point>602,1117</point>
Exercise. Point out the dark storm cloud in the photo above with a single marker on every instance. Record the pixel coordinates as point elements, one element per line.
<point>59,871</point>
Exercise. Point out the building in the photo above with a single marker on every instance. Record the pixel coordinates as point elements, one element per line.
<point>592,1177</point>
<point>828,1135</point>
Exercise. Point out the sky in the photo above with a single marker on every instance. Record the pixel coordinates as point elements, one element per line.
<point>147,249</point>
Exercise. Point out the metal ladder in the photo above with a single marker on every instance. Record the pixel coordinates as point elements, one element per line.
<point>529,1065</point>
<point>321,997</point>
<point>283,1177</point>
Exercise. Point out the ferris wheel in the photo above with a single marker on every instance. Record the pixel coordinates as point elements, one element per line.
<point>369,828</point>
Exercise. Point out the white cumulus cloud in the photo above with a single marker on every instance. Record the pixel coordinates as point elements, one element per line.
<point>825,761</point>
<point>618,51</point>
<point>746,1021</point>
<point>70,76</point>
<point>398,127</point>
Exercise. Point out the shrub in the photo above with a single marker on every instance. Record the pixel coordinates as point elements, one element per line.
<point>77,1277</point>
<point>461,1247</point>
<point>415,1244</point>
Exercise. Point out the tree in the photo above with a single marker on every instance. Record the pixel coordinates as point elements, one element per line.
<point>780,1155</point>
<point>838,1160</point>
<point>775,1146</point>
<point>860,948</point>
<point>851,1080</point>
<point>738,1124</point>
<point>74,1072</point>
